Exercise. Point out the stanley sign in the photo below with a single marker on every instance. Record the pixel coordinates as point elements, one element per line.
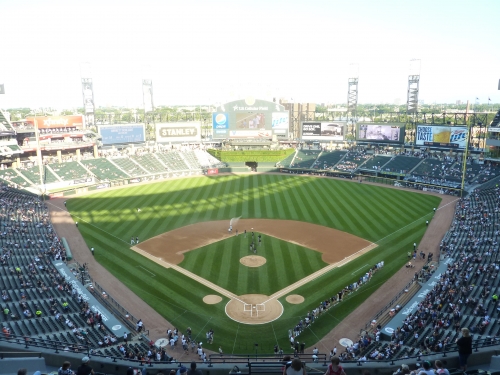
<point>178,132</point>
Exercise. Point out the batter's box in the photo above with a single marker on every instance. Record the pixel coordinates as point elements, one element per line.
<point>260,307</point>
<point>247,307</point>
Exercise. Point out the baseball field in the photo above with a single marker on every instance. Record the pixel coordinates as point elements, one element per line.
<point>317,236</point>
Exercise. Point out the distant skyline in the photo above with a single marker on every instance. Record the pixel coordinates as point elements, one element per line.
<point>204,52</point>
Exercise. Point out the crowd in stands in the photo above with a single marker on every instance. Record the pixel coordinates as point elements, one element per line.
<point>325,305</point>
<point>465,295</point>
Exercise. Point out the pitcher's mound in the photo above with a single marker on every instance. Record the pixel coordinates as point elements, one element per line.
<point>294,299</point>
<point>212,299</point>
<point>253,261</point>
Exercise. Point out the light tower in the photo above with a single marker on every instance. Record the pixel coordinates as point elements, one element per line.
<point>88,93</point>
<point>147,98</point>
<point>413,87</point>
<point>352,95</point>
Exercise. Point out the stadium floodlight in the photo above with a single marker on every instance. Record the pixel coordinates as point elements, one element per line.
<point>352,94</point>
<point>413,86</point>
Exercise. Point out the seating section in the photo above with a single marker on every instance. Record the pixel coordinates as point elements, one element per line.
<point>285,163</point>
<point>70,171</point>
<point>127,165</point>
<point>10,176</point>
<point>401,164</point>
<point>173,161</point>
<point>37,301</point>
<point>462,296</point>
<point>33,175</point>
<point>375,163</point>
<point>430,167</point>
<point>150,163</point>
<point>103,169</point>
<point>208,161</point>
<point>328,160</point>
<point>481,173</point>
<point>190,159</point>
<point>351,161</point>
<point>305,158</point>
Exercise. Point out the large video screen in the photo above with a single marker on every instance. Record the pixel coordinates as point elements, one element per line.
<point>251,121</point>
<point>250,118</point>
<point>323,131</point>
<point>390,133</point>
<point>441,136</point>
<point>114,134</point>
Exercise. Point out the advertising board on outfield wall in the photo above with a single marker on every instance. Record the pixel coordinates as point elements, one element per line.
<point>385,132</point>
<point>120,134</point>
<point>56,122</point>
<point>178,132</point>
<point>444,136</point>
<point>323,131</point>
<point>250,118</point>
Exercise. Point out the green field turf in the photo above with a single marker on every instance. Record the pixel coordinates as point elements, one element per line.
<point>286,263</point>
<point>392,218</point>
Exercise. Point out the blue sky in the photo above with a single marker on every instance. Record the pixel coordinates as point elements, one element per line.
<point>215,51</point>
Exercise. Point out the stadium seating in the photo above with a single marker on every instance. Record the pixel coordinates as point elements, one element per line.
<point>351,161</point>
<point>104,170</point>
<point>402,164</point>
<point>127,164</point>
<point>286,163</point>
<point>150,163</point>
<point>10,176</point>
<point>328,160</point>
<point>70,170</point>
<point>30,283</point>
<point>173,161</point>
<point>305,158</point>
<point>471,250</point>
<point>376,162</point>
<point>33,175</point>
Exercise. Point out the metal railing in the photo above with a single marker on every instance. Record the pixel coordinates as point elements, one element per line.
<point>118,311</point>
<point>29,342</point>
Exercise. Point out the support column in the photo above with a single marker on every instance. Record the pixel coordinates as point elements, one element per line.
<point>78,155</point>
<point>59,158</point>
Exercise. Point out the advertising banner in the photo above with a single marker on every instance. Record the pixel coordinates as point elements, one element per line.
<point>323,131</point>
<point>444,136</point>
<point>380,133</point>
<point>178,132</point>
<point>114,134</point>
<point>212,171</point>
<point>56,122</point>
<point>250,134</point>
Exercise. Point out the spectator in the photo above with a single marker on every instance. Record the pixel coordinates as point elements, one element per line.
<point>440,369</point>
<point>193,370</point>
<point>334,368</point>
<point>65,369</point>
<point>84,368</point>
<point>296,368</point>
<point>464,348</point>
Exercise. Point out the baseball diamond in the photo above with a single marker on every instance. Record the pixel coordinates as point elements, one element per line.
<point>318,236</point>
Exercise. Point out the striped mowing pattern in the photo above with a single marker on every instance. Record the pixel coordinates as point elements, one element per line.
<point>392,218</point>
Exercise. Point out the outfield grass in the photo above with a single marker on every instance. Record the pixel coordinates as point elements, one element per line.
<point>392,218</point>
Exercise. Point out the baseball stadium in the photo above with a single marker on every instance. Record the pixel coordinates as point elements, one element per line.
<point>239,253</point>
<point>215,225</point>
